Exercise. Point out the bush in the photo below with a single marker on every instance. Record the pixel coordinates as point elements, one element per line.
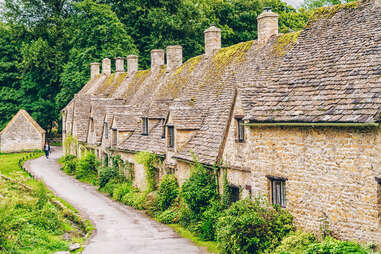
<point>252,226</point>
<point>121,190</point>
<point>110,187</point>
<point>70,166</point>
<point>168,191</point>
<point>209,219</point>
<point>86,166</point>
<point>333,246</point>
<point>295,243</point>
<point>200,189</point>
<point>105,175</point>
<point>169,216</point>
<point>135,199</point>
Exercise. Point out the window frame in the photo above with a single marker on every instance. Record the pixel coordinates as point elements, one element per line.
<point>163,130</point>
<point>378,195</point>
<point>114,137</point>
<point>240,133</point>
<point>106,130</point>
<point>145,126</point>
<point>171,136</point>
<point>278,191</point>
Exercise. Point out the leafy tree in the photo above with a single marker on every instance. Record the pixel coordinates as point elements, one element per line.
<point>9,75</point>
<point>105,36</point>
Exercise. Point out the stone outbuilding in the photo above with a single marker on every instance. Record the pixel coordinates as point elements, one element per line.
<point>22,133</point>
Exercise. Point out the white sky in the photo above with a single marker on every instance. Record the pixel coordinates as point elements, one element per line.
<point>294,3</point>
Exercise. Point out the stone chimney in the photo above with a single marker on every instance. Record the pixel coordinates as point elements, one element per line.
<point>94,70</point>
<point>106,66</point>
<point>132,64</point>
<point>174,57</point>
<point>212,40</point>
<point>267,25</point>
<point>157,59</point>
<point>119,64</point>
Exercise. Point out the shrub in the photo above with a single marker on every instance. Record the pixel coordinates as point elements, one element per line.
<point>70,166</point>
<point>333,246</point>
<point>168,191</point>
<point>86,166</point>
<point>295,243</point>
<point>135,199</point>
<point>110,187</point>
<point>200,189</point>
<point>209,219</point>
<point>105,175</point>
<point>169,216</point>
<point>252,226</point>
<point>121,190</point>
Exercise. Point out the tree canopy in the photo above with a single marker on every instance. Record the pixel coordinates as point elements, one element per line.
<point>46,46</point>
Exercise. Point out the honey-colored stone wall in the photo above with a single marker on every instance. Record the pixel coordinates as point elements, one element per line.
<point>331,172</point>
<point>139,172</point>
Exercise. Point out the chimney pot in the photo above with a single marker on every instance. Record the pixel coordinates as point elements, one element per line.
<point>174,57</point>
<point>132,64</point>
<point>267,25</point>
<point>157,59</point>
<point>94,70</point>
<point>212,40</point>
<point>106,66</point>
<point>119,64</point>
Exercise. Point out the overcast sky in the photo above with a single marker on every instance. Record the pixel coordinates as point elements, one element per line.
<point>294,3</point>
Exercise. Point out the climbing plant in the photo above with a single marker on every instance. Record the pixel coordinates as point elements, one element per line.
<point>151,164</point>
<point>69,142</point>
<point>227,191</point>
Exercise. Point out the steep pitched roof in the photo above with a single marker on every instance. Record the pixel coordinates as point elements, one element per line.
<point>125,122</point>
<point>28,117</point>
<point>331,74</point>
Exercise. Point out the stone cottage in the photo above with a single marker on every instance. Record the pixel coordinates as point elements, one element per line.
<point>291,117</point>
<point>22,134</point>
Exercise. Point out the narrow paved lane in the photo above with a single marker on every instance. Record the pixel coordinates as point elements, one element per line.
<point>119,229</point>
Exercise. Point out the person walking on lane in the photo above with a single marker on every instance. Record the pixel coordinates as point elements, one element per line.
<point>47,150</point>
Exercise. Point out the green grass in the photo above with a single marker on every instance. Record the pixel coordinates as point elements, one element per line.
<point>29,221</point>
<point>209,245</point>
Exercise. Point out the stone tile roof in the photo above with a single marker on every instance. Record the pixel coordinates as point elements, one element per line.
<point>28,117</point>
<point>97,113</point>
<point>186,117</point>
<point>81,117</point>
<point>125,122</point>
<point>331,74</point>
<point>152,142</point>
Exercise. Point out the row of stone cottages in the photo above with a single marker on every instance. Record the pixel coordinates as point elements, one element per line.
<point>294,117</point>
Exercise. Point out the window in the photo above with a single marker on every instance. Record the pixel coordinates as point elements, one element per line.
<point>171,137</point>
<point>378,180</point>
<point>106,130</point>
<point>278,190</point>
<point>145,126</point>
<point>92,125</point>
<point>235,193</point>
<point>114,137</point>
<point>163,129</point>
<point>240,130</point>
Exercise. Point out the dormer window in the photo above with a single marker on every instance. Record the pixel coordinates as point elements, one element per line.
<point>106,130</point>
<point>145,126</point>
<point>91,124</point>
<point>240,129</point>
<point>171,136</point>
<point>163,129</point>
<point>114,137</point>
